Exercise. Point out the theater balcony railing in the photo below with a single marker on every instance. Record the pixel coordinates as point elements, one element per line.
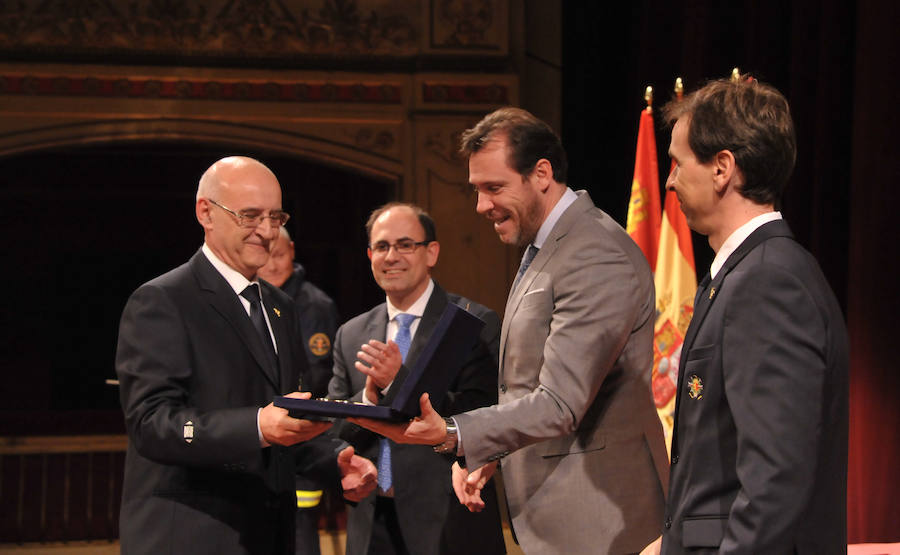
<point>60,488</point>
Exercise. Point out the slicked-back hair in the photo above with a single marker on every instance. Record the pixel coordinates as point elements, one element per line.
<point>424,219</point>
<point>528,138</point>
<point>753,121</point>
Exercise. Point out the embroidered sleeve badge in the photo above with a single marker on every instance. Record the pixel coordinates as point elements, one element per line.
<point>319,344</point>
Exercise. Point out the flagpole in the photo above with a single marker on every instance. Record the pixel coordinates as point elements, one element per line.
<point>644,210</point>
<point>676,283</point>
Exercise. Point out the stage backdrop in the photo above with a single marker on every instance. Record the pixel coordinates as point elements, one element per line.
<point>835,61</point>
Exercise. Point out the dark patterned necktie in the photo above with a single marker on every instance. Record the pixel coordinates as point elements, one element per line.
<point>526,262</point>
<point>251,293</point>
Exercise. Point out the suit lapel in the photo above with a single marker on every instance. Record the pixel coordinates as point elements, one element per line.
<point>287,379</point>
<point>376,327</point>
<point>544,255</point>
<point>709,290</point>
<point>704,300</point>
<point>433,310</point>
<point>223,299</point>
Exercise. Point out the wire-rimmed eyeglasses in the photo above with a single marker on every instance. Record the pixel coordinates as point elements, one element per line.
<point>252,218</point>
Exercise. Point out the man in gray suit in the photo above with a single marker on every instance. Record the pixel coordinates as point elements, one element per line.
<point>759,448</point>
<point>584,463</point>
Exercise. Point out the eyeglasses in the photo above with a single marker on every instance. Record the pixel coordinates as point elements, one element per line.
<point>252,218</point>
<point>403,246</point>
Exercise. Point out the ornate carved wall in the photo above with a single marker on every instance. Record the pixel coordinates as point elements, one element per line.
<point>254,29</point>
<point>412,76</point>
<point>381,88</point>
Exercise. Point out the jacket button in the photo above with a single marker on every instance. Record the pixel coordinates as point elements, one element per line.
<point>503,388</point>
<point>668,523</point>
<point>674,459</point>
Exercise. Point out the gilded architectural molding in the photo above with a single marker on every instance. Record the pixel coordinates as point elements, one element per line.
<point>276,30</point>
<point>200,89</point>
<point>465,93</point>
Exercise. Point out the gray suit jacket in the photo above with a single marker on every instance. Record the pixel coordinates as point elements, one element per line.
<point>431,518</point>
<point>193,376</point>
<point>585,464</point>
<point>759,447</point>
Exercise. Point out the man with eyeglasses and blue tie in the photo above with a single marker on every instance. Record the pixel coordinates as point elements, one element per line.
<point>414,509</point>
<point>202,351</point>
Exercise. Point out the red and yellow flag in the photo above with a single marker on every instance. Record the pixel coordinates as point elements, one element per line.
<point>643,207</point>
<point>676,284</point>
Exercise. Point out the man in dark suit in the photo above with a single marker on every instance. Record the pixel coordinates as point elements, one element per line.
<point>317,322</point>
<point>200,356</point>
<point>416,512</point>
<point>316,312</point>
<point>584,462</point>
<point>759,448</point>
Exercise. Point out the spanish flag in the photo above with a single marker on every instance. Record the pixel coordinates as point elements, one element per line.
<point>676,284</point>
<point>643,207</point>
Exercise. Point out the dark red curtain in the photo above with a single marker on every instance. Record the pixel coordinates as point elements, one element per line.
<point>836,62</point>
<point>872,298</point>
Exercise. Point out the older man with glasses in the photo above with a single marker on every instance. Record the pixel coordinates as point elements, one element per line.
<point>202,351</point>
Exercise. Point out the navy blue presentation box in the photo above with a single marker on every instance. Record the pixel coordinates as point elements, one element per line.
<point>447,349</point>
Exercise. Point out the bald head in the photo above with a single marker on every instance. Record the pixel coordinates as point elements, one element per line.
<point>222,174</point>
<point>229,190</point>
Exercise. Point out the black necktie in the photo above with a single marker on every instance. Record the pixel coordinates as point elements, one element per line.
<point>526,262</point>
<point>251,293</point>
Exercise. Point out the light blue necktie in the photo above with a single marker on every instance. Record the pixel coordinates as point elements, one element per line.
<point>403,339</point>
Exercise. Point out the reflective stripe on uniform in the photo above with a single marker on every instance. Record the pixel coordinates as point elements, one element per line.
<point>308,499</point>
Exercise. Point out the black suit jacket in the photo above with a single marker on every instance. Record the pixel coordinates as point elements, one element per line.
<point>759,448</point>
<point>192,377</point>
<point>431,518</point>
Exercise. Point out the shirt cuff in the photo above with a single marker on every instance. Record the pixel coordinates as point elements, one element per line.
<point>460,452</point>
<point>262,440</point>
<point>367,401</point>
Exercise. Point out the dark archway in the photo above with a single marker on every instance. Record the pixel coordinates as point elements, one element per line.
<point>88,224</point>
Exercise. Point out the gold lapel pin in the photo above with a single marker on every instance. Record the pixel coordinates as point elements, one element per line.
<point>277,312</point>
<point>712,292</point>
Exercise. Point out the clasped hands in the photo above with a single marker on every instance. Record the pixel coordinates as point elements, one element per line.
<point>358,474</point>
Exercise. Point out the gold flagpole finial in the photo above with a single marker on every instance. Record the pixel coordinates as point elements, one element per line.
<point>648,97</point>
<point>679,88</point>
<point>735,75</point>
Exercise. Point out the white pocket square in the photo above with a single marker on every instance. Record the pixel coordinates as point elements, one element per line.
<point>533,292</point>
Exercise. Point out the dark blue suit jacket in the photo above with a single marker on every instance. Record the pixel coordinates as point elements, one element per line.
<point>759,448</point>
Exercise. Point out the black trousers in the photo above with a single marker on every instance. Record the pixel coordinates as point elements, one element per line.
<point>386,536</point>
